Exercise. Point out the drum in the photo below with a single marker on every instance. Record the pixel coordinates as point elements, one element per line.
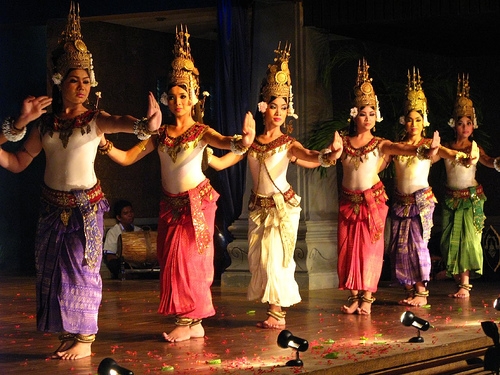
<point>138,248</point>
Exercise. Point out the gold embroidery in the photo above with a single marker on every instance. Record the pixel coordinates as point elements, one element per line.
<point>190,138</point>
<point>357,155</point>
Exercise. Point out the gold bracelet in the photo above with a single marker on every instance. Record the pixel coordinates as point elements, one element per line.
<point>142,144</point>
<point>104,150</point>
<point>324,160</point>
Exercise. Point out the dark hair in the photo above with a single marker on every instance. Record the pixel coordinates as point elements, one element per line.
<point>182,86</point>
<point>120,205</point>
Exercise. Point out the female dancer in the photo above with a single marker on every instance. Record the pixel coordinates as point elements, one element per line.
<point>274,206</point>
<point>187,209</point>
<point>414,201</point>
<point>463,216</point>
<point>68,246</point>
<point>362,208</point>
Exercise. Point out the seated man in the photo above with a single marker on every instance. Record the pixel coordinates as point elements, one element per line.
<point>124,215</point>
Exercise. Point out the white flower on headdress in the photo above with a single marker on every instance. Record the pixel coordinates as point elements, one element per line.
<point>426,121</point>
<point>354,112</point>
<point>474,118</point>
<point>164,99</point>
<point>262,106</point>
<point>206,93</point>
<point>402,120</point>
<point>379,116</point>
<point>291,110</point>
<point>451,122</point>
<point>57,78</point>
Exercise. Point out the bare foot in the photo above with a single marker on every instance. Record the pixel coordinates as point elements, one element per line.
<point>179,333</point>
<point>76,351</point>
<point>462,293</point>
<point>414,301</point>
<point>353,305</point>
<point>272,323</point>
<point>366,305</point>
<point>197,331</point>
<point>66,341</point>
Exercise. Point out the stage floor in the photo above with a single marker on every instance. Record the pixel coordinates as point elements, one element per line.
<point>130,333</point>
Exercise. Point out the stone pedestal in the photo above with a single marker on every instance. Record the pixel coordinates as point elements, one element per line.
<point>315,256</point>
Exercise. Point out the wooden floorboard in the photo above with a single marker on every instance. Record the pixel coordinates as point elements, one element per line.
<point>130,332</point>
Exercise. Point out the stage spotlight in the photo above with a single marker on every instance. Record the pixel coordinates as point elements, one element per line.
<point>108,366</point>
<point>411,320</point>
<point>287,340</point>
<point>492,355</point>
<point>496,304</point>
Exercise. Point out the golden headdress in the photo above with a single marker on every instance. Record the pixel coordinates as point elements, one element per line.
<point>415,97</point>
<point>183,70</point>
<point>278,82</point>
<point>364,94</point>
<point>463,104</point>
<point>71,52</point>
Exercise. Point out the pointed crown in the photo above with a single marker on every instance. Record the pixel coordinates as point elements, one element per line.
<point>415,97</point>
<point>463,104</point>
<point>363,90</point>
<point>278,80</point>
<point>71,52</point>
<point>183,70</point>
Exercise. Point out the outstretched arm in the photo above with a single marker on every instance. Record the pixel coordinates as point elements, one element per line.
<point>313,158</point>
<point>465,159</point>
<point>390,148</point>
<point>218,140</point>
<point>486,160</point>
<point>223,162</point>
<point>128,124</point>
<point>125,158</point>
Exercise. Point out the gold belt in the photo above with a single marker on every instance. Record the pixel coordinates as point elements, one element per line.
<point>409,199</point>
<point>358,198</point>
<point>463,193</point>
<point>266,201</point>
<point>66,199</point>
<point>182,199</point>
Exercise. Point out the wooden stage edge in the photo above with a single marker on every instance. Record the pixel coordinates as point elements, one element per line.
<point>130,332</point>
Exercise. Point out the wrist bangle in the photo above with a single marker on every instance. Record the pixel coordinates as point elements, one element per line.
<point>461,157</point>
<point>324,160</point>
<point>236,147</point>
<point>12,133</point>
<point>104,150</point>
<point>421,152</point>
<point>496,163</point>
<point>141,129</point>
